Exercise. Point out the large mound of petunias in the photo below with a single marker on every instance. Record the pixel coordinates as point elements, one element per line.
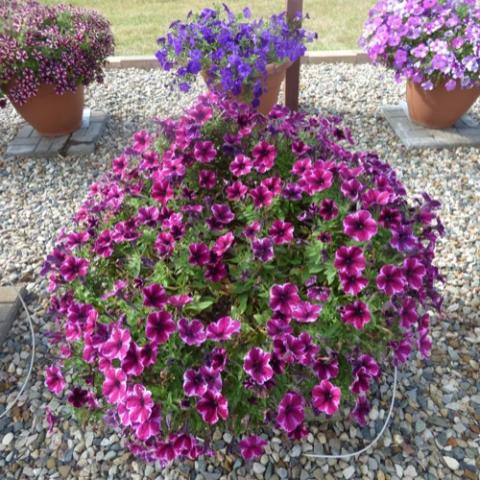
<point>238,271</point>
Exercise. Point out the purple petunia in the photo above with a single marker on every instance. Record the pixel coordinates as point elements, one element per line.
<point>361,410</point>
<point>241,165</point>
<point>205,152</point>
<point>391,280</point>
<point>223,329</point>
<point>212,407</point>
<point>257,364</point>
<point>326,397</point>
<point>115,385</point>
<point>263,249</point>
<point>290,412</point>
<point>356,314</point>
<point>252,447</point>
<point>360,226</point>
<point>281,232</point>
<point>222,213</point>
<point>352,284</point>
<point>284,298</point>
<point>139,404</point>
<point>194,384</point>
<point>117,344</point>
<point>154,296</point>
<point>160,327</point>
<point>350,260</point>
<point>54,380</point>
<point>193,332</point>
<point>73,268</point>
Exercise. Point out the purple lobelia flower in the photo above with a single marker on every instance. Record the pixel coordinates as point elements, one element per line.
<point>118,343</point>
<point>193,332</point>
<point>73,268</point>
<point>356,314</point>
<point>352,284</point>
<point>160,327</point>
<point>115,385</point>
<point>414,272</point>
<point>360,226</point>
<point>263,249</point>
<point>326,397</point>
<point>139,404</point>
<point>54,380</point>
<point>350,260</point>
<point>252,447</point>
<point>154,296</point>
<point>290,412</point>
<point>361,410</point>
<point>205,152</point>
<point>257,364</point>
<point>212,407</point>
<point>241,165</point>
<point>194,384</point>
<point>199,254</point>
<point>326,367</point>
<point>281,232</point>
<point>391,280</point>
<point>223,329</point>
<point>222,213</point>
<point>284,298</point>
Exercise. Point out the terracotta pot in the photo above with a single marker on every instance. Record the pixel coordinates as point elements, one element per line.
<point>51,114</point>
<point>438,108</point>
<point>273,82</point>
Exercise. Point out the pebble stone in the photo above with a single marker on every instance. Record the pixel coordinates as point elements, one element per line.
<point>434,430</point>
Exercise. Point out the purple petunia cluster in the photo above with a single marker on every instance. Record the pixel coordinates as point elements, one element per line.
<point>58,45</point>
<point>232,51</point>
<point>426,41</point>
<point>240,270</point>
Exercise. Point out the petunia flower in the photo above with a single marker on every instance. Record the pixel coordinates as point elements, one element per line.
<point>252,447</point>
<point>179,301</point>
<point>414,272</point>
<point>204,152</point>
<point>212,407</point>
<point>222,213</point>
<point>361,410</point>
<point>257,364</point>
<point>306,312</point>
<point>165,244</point>
<point>352,284</point>
<point>360,226</point>
<point>207,179</point>
<point>117,344</point>
<point>236,191</point>
<point>54,380</point>
<point>281,232</point>
<point>262,249</point>
<point>241,165</point>
<point>150,427</point>
<point>391,280</point>
<point>326,397</point>
<point>223,329</point>
<point>73,268</point>
<point>159,327</point>
<point>328,209</point>
<point>403,239</point>
<point>78,397</point>
<point>139,404</point>
<point>290,411</point>
<point>261,196</point>
<point>115,385</point>
<point>216,272</point>
<point>199,254</point>
<point>356,314</point>
<point>154,296</point>
<point>142,140</point>
<point>223,243</point>
<point>350,260</point>
<point>212,377</point>
<point>326,367</point>
<point>361,381</point>
<point>251,230</point>
<point>132,364</point>
<point>193,332</point>
<point>284,298</point>
<point>264,155</point>
<point>162,191</point>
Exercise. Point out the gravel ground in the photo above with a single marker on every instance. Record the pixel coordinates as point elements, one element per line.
<point>435,430</point>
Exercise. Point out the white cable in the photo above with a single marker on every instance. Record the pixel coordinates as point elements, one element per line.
<point>375,440</point>
<point>32,358</point>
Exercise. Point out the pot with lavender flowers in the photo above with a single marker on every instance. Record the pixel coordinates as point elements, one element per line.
<point>236,55</point>
<point>435,45</point>
<point>239,272</point>
<point>47,55</point>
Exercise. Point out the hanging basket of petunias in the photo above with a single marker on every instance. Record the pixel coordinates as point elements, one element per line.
<point>235,271</point>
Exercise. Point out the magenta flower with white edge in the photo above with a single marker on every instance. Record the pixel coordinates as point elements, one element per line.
<point>306,312</point>
<point>150,427</point>
<point>118,344</point>
<point>281,232</point>
<point>192,332</point>
<point>350,260</point>
<point>155,296</point>
<point>73,268</point>
<point>223,329</point>
<point>356,314</point>
<point>257,364</point>
<point>291,411</point>
<point>212,407</point>
<point>326,397</point>
<point>241,165</point>
<point>391,280</point>
<point>252,447</point>
<point>205,152</point>
<point>160,326</point>
<point>54,380</point>
<point>353,284</point>
<point>264,155</point>
<point>284,298</point>
<point>360,226</point>
<point>115,385</point>
<point>139,404</point>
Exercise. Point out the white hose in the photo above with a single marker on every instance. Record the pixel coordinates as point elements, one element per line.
<point>32,358</point>
<point>375,440</point>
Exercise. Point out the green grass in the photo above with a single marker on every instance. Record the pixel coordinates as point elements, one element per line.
<point>138,23</point>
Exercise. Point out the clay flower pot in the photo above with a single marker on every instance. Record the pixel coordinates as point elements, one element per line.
<point>51,114</point>
<point>438,108</point>
<point>273,82</point>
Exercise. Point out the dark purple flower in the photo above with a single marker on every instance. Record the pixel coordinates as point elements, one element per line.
<point>356,314</point>
<point>155,296</point>
<point>326,367</point>
<point>361,381</point>
<point>199,254</point>
<point>222,213</point>
<point>160,327</point>
<point>252,447</point>
<point>360,226</point>
<point>251,230</point>
<point>281,232</point>
<point>257,364</point>
<point>193,332</point>
<point>326,397</point>
<point>165,244</point>
<point>263,249</point>
<point>212,407</point>
<point>414,272</point>
<point>132,364</point>
<point>328,209</point>
<point>216,272</point>
<point>207,179</point>
<point>403,239</point>
<point>391,280</point>
<point>78,397</point>
<point>290,413</point>
<point>361,410</point>
<point>74,267</point>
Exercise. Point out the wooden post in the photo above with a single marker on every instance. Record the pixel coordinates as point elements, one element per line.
<point>292,80</point>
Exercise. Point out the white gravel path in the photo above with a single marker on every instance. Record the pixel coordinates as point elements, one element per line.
<point>436,428</point>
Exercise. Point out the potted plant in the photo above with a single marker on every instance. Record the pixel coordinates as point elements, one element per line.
<point>47,55</point>
<point>435,45</point>
<point>238,271</point>
<point>236,55</point>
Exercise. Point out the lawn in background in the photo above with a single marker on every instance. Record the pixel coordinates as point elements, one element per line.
<point>138,23</point>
